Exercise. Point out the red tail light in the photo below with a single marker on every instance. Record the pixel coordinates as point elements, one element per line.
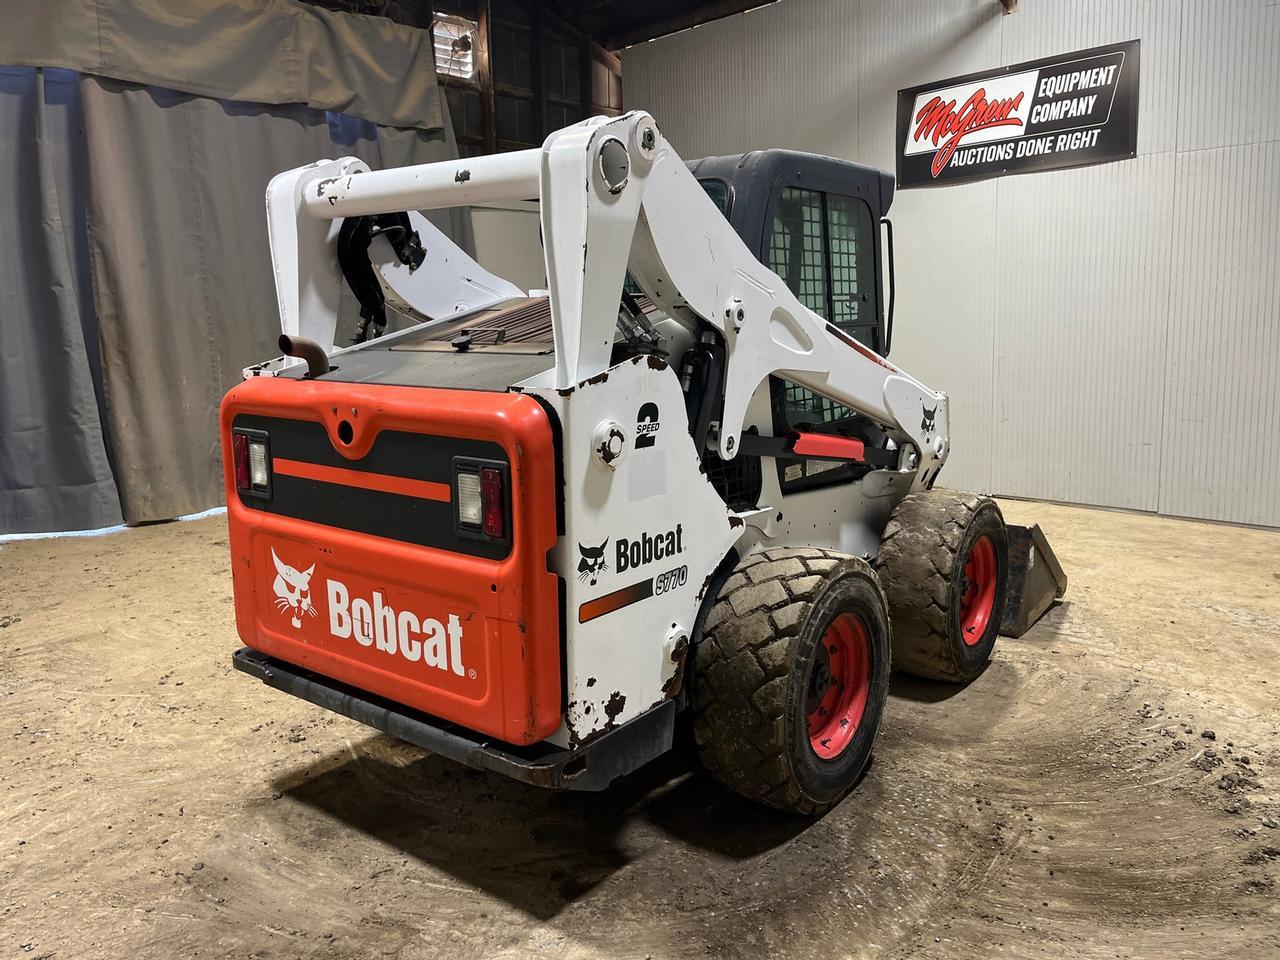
<point>251,458</point>
<point>240,454</point>
<point>494,503</point>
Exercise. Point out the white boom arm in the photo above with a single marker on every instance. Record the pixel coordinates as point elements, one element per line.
<point>614,196</point>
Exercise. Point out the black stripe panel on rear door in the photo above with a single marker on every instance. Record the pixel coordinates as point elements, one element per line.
<point>376,512</point>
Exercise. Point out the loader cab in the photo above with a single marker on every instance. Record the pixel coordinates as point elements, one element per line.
<point>820,224</point>
<point>816,222</point>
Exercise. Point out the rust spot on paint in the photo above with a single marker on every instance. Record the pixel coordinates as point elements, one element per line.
<point>605,450</point>
<point>673,683</point>
<point>614,707</point>
<point>322,188</point>
<point>702,591</point>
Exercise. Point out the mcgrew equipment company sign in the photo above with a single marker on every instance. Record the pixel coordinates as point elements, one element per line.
<point>1064,111</point>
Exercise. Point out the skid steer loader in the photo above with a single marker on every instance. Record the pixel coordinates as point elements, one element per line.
<point>534,529</point>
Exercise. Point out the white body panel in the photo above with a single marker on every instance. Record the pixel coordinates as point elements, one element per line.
<point>621,663</point>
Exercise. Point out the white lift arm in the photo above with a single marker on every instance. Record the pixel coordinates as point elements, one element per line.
<point>304,254</point>
<point>614,196</point>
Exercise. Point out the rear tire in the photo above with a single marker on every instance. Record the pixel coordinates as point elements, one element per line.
<point>790,677</point>
<point>944,564</point>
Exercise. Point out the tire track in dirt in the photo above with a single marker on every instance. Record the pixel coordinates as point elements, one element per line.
<point>1064,804</point>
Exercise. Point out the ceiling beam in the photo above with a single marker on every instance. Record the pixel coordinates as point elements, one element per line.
<point>576,8</point>
<point>703,13</point>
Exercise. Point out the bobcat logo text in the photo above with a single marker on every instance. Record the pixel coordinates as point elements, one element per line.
<point>372,622</point>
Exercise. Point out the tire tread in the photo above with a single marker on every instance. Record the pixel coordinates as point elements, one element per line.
<point>918,554</point>
<point>739,720</point>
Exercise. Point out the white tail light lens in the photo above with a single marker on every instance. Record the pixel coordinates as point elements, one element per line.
<point>257,464</point>
<point>470,502</point>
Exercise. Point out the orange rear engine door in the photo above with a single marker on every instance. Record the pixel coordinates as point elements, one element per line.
<point>352,560</point>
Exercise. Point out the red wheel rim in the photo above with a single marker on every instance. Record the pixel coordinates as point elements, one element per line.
<point>978,596</point>
<point>838,686</point>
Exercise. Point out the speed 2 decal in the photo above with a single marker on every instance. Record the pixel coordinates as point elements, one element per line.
<point>646,426</point>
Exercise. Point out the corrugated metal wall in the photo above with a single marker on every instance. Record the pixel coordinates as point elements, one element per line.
<point>1110,334</point>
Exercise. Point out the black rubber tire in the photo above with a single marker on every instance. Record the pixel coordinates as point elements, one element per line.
<point>923,553</point>
<point>752,669</point>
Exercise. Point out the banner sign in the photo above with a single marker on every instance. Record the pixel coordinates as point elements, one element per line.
<point>1065,111</point>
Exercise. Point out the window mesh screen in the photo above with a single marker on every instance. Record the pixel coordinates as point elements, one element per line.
<point>795,247</point>
<point>849,233</point>
<point>821,246</point>
<point>844,263</point>
<point>801,407</point>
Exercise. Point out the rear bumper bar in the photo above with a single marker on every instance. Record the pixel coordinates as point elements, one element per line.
<point>592,766</point>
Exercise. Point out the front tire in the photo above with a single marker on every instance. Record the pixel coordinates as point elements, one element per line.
<point>791,676</point>
<point>944,563</point>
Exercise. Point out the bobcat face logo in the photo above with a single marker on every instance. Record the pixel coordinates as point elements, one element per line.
<point>926,421</point>
<point>593,562</point>
<point>293,590</point>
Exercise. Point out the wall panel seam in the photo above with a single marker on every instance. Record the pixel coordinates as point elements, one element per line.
<point>1173,263</point>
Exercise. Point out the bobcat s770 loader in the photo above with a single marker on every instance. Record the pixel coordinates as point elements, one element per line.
<point>532,529</point>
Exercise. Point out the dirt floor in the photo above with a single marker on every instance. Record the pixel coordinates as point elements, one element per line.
<point>1108,788</point>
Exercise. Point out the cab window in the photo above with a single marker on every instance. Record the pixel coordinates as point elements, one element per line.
<point>821,245</point>
<point>718,191</point>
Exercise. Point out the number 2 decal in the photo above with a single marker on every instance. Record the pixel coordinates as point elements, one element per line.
<point>646,426</point>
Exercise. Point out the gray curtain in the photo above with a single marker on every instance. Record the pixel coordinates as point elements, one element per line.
<point>54,469</point>
<point>135,277</point>
<point>182,269</point>
<point>260,51</point>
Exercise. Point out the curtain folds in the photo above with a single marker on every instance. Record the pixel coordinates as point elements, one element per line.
<point>265,51</point>
<point>135,273</point>
<point>182,269</point>
<point>54,470</point>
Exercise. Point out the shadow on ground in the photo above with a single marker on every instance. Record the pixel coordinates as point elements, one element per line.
<point>540,850</point>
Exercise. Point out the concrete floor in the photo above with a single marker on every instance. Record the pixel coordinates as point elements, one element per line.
<point>1068,803</point>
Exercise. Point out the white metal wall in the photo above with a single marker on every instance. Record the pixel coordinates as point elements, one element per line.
<point>1110,334</point>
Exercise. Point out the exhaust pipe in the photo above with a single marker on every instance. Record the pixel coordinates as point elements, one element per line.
<point>308,350</point>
